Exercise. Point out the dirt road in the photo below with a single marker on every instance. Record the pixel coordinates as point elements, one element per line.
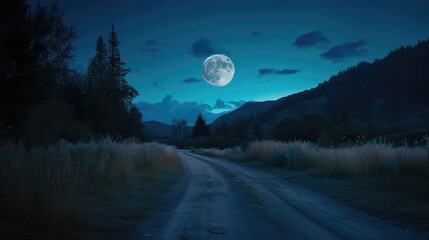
<point>221,200</point>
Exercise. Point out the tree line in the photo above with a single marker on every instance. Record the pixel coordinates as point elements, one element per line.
<point>314,127</point>
<point>43,98</point>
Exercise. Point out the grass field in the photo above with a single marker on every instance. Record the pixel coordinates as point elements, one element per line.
<point>360,161</point>
<point>376,177</point>
<point>52,185</point>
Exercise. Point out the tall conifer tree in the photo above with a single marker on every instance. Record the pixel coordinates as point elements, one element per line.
<point>200,128</point>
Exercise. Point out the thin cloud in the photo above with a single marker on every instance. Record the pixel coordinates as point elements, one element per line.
<point>287,71</point>
<point>151,42</point>
<point>191,80</point>
<point>169,108</point>
<point>221,105</point>
<point>266,71</point>
<point>237,104</point>
<point>151,52</point>
<point>253,35</point>
<point>346,50</point>
<point>153,48</point>
<point>312,39</point>
<point>157,85</point>
<point>203,48</point>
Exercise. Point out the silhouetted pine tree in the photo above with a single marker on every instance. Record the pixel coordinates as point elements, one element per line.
<point>125,93</point>
<point>118,71</point>
<point>97,87</point>
<point>110,107</point>
<point>200,128</point>
<point>97,69</point>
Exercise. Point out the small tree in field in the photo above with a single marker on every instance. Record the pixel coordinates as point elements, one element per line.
<point>179,128</point>
<point>200,128</point>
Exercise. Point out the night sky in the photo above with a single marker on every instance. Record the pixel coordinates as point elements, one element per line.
<point>278,47</point>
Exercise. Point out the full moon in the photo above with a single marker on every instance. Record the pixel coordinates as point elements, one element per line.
<point>218,70</point>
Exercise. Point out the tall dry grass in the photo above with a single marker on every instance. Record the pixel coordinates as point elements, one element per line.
<point>363,160</point>
<point>50,183</point>
<point>234,153</point>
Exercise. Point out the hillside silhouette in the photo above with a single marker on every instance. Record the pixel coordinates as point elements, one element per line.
<point>386,98</point>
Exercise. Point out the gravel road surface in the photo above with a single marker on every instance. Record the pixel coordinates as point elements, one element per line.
<point>217,199</point>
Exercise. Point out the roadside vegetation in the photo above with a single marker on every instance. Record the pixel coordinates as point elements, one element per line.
<point>361,160</point>
<point>381,178</point>
<point>50,185</point>
<point>55,160</point>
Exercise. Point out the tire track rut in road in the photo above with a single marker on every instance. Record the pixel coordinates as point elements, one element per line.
<point>215,208</point>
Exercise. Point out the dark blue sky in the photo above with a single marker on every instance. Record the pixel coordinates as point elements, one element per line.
<point>278,47</point>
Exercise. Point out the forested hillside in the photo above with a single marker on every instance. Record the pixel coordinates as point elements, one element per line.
<point>386,98</point>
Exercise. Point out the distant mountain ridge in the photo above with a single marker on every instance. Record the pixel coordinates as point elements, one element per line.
<point>248,110</point>
<point>158,129</point>
<point>389,91</point>
<point>161,130</point>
